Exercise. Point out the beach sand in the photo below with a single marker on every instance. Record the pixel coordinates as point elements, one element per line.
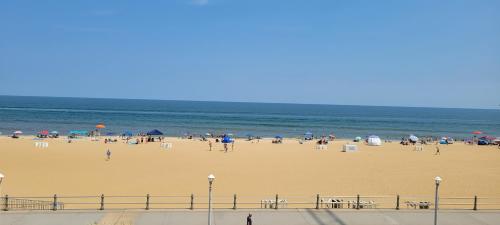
<point>252,169</point>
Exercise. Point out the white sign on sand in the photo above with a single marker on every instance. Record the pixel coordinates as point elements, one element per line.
<point>166,145</point>
<point>350,148</point>
<point>41,144</point>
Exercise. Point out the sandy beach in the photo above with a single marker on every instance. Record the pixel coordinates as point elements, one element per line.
<point>252,169</point>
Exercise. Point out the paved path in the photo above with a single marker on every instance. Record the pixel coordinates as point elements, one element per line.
<point>261,217</point>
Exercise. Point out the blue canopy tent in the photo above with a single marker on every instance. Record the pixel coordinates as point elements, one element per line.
<point>127,133</point>
<point>78,132</point>
<point>279,137</point>
<point>154,132</point>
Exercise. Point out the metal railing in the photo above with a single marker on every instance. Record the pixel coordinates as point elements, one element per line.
<point>272,202</point>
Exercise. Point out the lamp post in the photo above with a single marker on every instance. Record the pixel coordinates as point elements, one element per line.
<point>211,179</point>
<point>436,200</point>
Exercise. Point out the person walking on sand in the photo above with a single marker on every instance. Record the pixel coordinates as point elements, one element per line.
<point>249,219</point>
<point>232,146</point>
<point>210,145</point>
<point>108,154</point>
<point>437,151</point>
<point>225,147</point>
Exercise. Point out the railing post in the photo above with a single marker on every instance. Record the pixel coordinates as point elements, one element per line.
<point>147,202</point>
<point>192,202</point>
<point>397,202</point>
<point>54,204</point>
<point>102,202</point>
<point>357,202</point>
<point>6,206</point>
<point>475,203</point>
<point>317,201</point>
<point>234,202</point>
<point>276,205</point>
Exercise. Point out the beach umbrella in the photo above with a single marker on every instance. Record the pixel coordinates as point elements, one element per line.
<point>44,132</point>
<point>358,138</point>
<point>226,139</point>
<point>413,138</point>
<point>54,132</point>
<point>477,132</point>
<point>489,138</point>
<point>308,133</point>
<point>207,134</point>
<point>100,126</point>
<point>18,132</point>
<point>279,137</point>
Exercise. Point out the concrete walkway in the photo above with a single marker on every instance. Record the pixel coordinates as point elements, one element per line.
<point>261,217</point>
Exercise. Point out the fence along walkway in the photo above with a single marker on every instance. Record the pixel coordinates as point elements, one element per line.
<point>9,203</point>
<point>246,202</point>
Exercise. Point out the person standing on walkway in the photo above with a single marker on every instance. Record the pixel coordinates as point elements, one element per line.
<point>108,154</point>
<point>249,219</point>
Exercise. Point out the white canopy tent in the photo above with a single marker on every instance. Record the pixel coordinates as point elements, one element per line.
<point>374,141</point>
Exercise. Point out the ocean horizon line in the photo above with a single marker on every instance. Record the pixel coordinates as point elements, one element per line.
<point>248,102</point>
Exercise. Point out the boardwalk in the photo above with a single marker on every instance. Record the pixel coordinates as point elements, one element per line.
<point>261,217</point>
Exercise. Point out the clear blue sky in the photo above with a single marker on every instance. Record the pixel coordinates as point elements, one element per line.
<point>404,53</point>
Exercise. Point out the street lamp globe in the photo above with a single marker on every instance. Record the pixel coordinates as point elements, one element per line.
<point>211,178</point>
<point>438,180</point>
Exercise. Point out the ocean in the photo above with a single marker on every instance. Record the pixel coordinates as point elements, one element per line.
<point>175,118</point>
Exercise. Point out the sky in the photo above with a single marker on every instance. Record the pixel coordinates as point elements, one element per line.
<point>396,53</point>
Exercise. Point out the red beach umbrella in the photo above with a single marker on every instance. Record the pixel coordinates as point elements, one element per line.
<point>477,132</point>
<point>44,132</point>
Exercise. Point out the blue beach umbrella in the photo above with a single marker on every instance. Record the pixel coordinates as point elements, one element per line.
<point>226,139</point>
<point>279,137</point>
